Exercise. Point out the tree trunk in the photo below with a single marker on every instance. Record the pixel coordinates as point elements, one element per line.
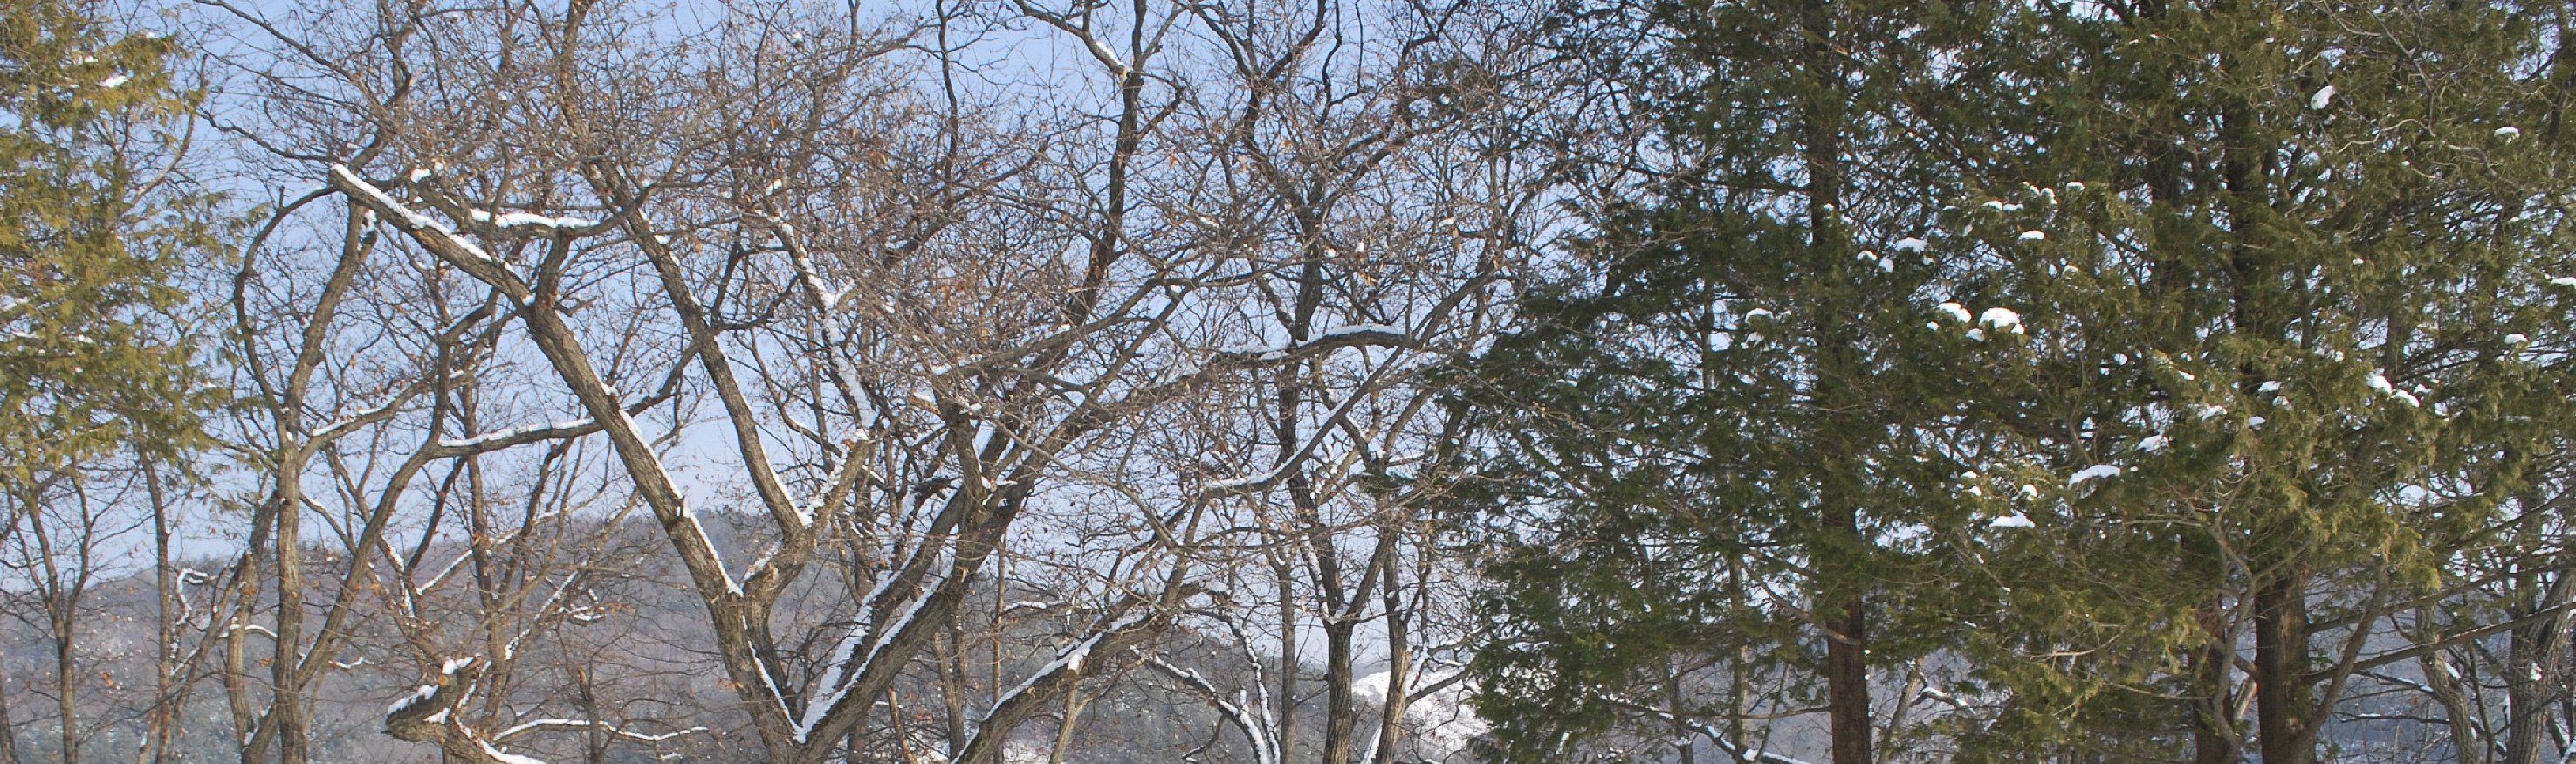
<point>1287,662</point>
<point>1341,714</point>
<point>2287,731</point>
<point>1847,669</point>
<point>2213,738</point>
<point>8,739</point>
<point>2536,649</point>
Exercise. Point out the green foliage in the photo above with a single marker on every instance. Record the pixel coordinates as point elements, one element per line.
<point>92,236</point>
<point>2317,333</point>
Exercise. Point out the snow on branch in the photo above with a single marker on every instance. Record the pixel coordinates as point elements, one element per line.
<point>561,725</point>
<point>427,716</point>
<point>431,234</point>
<point>1360,335</point>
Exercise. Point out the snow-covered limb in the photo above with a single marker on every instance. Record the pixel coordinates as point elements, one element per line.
<point>1114,633</point>
<point>1262,479</point>
<point>1370,335</point>
<point>556,725</point>
<point>363,418</point>
<point>530,222</point>
<point>427,716</point>
<point>437,237</point>
<point>1255,730</point>
<point>521,435</point>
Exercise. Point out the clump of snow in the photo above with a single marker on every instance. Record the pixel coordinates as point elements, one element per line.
<point>2517,339</point>
<point>2209,411</point>
<point>2010,521</point>
<point>2508,132</point>
<point>1909,244</point>
<point>2565,281</point>
<point>513,221</point>
<point>2324,95</point>
<point>2034,236</point>
<point>2273,386</point>
<point>2154,444</point>
<point>114,80</point>
<point>1757,313</point>
<point>418,696</point>
<point>2029,491</point>
<point>2001,320</point>
<point>2378,381</point>
<point>1956,311</point>
<point>2095,472</point>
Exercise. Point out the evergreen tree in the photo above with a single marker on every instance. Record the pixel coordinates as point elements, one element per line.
<point>2282,331</point>
<point>2289,273</point>
<point>93,231</point>
<point>1728,446</point>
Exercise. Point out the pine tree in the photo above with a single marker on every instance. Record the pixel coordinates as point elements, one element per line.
<point>1722,438</point>
<point>92,235</point>
<point>2289,273</point>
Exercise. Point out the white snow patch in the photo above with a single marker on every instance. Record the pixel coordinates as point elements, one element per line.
<point>2010,521</point>
<point>1909,244</point>
<point>1956,311</point>
<point>1360,329</point>
<point>418,696</point>
<point>2001,319</point>
<point>2095,472</point>
<point>514,221</point>
<point>115,80</point>
<point>2508,132</point>
<point>2034,236</point>
<point>2154,444</point>
<point>2324,95</point>
<point>2565,281</point>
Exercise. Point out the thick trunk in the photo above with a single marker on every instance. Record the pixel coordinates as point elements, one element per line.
<point>2536,650</point>
<point>2286,731</point>
<point>1341,713</point>
<point>1847,672</point>
<point>286,702</point>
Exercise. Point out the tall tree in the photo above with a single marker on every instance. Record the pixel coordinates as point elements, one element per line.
<point>2289,269</point>
<point>1722,420</point>
<point>94,374</point>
